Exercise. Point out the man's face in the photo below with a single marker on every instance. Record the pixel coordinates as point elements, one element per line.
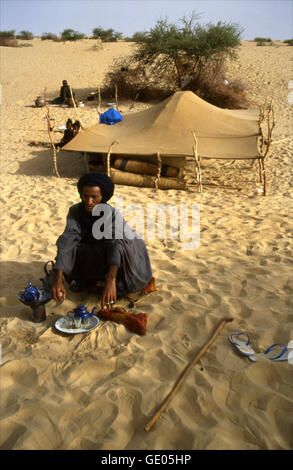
<point>91,196</point>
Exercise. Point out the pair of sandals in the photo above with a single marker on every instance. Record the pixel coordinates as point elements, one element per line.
<point>276,352</point>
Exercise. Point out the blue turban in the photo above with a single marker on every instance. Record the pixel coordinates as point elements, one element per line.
<point>97,179</point>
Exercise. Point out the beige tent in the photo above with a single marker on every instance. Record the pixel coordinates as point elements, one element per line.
<point>171,128</point>
<point>167,128</point>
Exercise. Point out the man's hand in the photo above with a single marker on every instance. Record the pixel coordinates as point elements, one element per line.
<point>58,289</point>
<point>109,293</point>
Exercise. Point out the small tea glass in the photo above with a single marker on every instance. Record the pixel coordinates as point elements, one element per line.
<point>68,321</point>
<point>77,322</point>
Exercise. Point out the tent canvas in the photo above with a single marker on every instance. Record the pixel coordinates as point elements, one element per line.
<point>167,128</point>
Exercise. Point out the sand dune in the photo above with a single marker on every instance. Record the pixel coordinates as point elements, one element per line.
<point>97,391</point>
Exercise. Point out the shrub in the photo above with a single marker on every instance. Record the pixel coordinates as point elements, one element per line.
<point>262,40</point>
<point>289,42</point>
<point>136,37</point>
<point>169,57</point>
<point>27,35</point>
<point>49,36</point>
<point>71,35</point>
<point>7,34</point>
<point>107,35</point>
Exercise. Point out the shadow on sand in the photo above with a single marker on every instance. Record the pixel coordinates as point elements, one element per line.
<point>69,164</point>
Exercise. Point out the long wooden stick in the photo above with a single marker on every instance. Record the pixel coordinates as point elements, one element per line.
<point>75,108</point>
<point>181,379</point>
<point>197,161</point>
<point>99,101</point>
<point>52,143</point>
<point>159,171</point>
<point>116,97</point>
<point>109,158</point>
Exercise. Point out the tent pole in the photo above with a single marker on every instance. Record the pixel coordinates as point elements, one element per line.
<point>260,170</point>
<point>76,113</point>
<point>197,164</point>
<point>159,171</point>
<point>86,162</point>
<point>264,177</point>
<point>116,97</point>
<point>109,158</point>
<point>52,143</point>
<point>99,98</point>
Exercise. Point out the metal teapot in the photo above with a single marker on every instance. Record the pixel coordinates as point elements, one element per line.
<point>81,312</point>
<point>31,293</point>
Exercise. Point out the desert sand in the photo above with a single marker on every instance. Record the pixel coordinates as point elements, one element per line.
<point>98,390</point>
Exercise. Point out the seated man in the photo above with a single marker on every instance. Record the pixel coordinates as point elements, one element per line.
<point>121,263</point>
<point>65,94</point>
<point>68,134</point>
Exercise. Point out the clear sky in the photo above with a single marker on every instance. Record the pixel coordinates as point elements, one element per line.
<point>264,18</point>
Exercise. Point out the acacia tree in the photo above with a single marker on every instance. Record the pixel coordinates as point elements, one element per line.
<point>183,51</point>
<point>71,35</point>
<point>106,35</point>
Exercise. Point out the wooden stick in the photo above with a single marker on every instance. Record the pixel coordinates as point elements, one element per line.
<point>116,97</point>
<point>99,100</point>
<point>181,379</point>
<point>75,109</point>
<point>264,177</point>
<point>52,143</point>
<point>197,161</point>
<point>159,171</point>
<point>260,170</point>
<point>108,158</point>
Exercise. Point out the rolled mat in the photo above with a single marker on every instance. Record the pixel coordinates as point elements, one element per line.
<point>145,168</point>
<point>145,181</point>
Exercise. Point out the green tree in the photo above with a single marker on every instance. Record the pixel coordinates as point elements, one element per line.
<point>25,35</point>
<point>185,50</point>
<point>106,35</point>
<point>71,35</point>
<point>8,34</point>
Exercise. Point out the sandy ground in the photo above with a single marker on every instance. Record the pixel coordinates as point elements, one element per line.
<point>97,391</point>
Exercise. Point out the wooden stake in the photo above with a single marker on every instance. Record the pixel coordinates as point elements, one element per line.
<point>181,379</point>
<point>75,109</point>
<point>260,170</point>
<point>264,177</point>
<point>197,162</point>
<point>116,97</point>
<point>159,171</point>
<point>99,100</point>
<point>109,157</point>
<point>52,143</point>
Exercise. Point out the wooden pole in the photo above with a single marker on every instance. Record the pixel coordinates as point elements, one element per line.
<point>109,158</point>
<point>260,170</point>
<point>159,171</point>
<point>75,108</point>
<point>181,379</point>
<point>99,100</point>
<point>264,177</point>
<point>52,143</point>
<point>197,163</point>
<point>116,97</point>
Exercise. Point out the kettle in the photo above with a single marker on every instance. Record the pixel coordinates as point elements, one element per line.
<point>81,312</point>
<point>31,293</point>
